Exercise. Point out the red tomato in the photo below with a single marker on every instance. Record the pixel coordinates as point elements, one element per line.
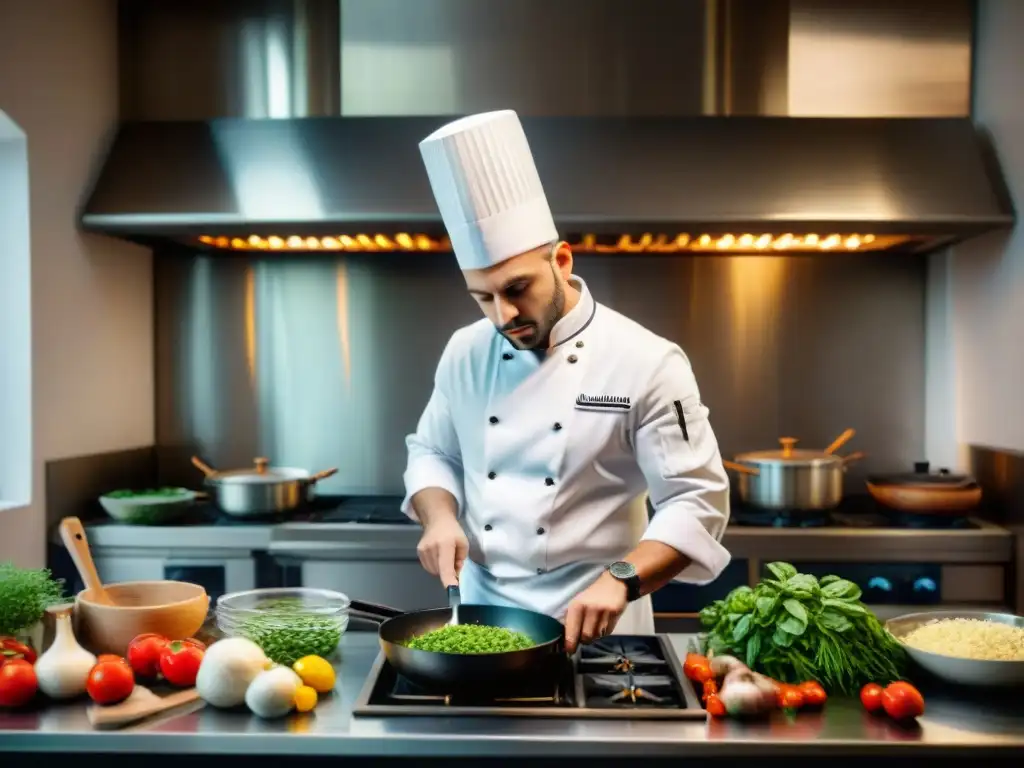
<point>11,649</point>
<point>693,660</point>
<point>179,663</point>
<point>110,682</point>
<point>18,683</point>
<point>902,701</point>
<point>111,657</point>
<point>197,643</point>
<point>710,688</point>
<point>714,706</point>
<point>144,654</point>
<point>814,695</point>
<point>871,697</point>
<point>790,697</point>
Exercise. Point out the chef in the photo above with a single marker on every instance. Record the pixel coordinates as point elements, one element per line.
<point>553,418</point>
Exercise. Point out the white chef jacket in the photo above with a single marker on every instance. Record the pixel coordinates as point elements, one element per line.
<point>549,459</point>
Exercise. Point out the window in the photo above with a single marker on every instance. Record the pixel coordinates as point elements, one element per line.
<point>15,319</point>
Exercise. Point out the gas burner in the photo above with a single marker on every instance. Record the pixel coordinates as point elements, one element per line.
<point>782,518</point>
<point>623,654</point>
<point>630,690</point>
<point>926,521</point>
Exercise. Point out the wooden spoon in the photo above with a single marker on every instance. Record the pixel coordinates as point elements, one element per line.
<point>73,535</point>
<point>142,703</point>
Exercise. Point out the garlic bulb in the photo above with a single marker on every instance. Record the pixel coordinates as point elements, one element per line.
<point>64,669</point>
<point>272,693</point>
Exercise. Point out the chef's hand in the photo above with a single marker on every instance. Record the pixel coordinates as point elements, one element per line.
<point>595,611</point>
<point>443,549</point>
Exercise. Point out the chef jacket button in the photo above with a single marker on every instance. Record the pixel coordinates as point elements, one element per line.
<point>549,481</point>
<point>558,426</point>
<point>507,356</point>
<point>572,358</point>
<point>491,475</point>
<point>493,419</point>
<point>579,345</point>
<point>540,531</point>
<point>488,527</point>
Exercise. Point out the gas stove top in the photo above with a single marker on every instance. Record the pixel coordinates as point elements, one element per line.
<point>856,511</point>
<point>631,677</point>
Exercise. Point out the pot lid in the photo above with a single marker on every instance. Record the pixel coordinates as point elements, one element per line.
<point>922,476</point>
<point>260,473</point>
<point>787,454</point>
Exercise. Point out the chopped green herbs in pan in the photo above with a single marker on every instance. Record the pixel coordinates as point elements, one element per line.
<point>470,638</point>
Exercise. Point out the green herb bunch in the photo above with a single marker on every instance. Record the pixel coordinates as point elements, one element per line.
<point>795,628</point>
<point>24,595</point>
<point>470,639</point>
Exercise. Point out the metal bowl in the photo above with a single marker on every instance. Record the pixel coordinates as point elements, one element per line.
<point>955,669</point>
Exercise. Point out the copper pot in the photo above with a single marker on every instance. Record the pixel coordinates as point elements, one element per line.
<point>926,492</point>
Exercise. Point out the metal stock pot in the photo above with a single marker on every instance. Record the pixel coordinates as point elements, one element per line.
<point>262,489</point>
<point>793,479</point>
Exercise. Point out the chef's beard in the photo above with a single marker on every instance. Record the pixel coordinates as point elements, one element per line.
<point>539,338</point>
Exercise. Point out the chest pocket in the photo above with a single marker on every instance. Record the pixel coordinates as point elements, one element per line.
<point>680,440</point>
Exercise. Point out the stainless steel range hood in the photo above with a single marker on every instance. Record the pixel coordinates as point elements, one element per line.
<point>652,184</point>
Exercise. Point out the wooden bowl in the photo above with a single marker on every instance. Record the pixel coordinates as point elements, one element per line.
<point>174,609</point>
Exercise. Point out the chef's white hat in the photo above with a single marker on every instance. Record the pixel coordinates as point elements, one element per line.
<point>487,188</point>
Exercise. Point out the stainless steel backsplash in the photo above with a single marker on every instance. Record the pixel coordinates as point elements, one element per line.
<point>328,361</point>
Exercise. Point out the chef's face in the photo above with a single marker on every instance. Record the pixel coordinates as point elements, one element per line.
<point>524,296</point>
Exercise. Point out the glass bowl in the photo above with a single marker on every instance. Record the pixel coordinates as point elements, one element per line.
<point>287,623</point>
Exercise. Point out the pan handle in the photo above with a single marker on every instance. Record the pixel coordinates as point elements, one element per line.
<point>372,611</point>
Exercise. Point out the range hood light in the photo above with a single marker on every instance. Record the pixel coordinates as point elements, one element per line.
<point>746,242</point>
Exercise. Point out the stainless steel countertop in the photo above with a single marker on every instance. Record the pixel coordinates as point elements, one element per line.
<point>952,724</point>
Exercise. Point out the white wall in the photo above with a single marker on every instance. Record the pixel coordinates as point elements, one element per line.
<point>91,298</point>
<point>976,321</point>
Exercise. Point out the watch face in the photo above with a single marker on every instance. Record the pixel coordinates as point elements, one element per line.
<point>622,570</point>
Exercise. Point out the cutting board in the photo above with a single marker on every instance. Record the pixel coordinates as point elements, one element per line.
<point>142,703</point>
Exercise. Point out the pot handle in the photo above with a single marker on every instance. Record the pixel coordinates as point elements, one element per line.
<point>203,467</point>
<point>313,479</point>
<point>743,469</point>
<point>378,614</point>
<point>855,456</point>
<point>840,441</point>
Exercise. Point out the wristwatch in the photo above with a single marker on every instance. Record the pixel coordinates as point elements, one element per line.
<point>626,573</point>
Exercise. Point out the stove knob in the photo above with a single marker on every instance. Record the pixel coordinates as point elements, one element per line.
<point>925,586</point>
<point>880,584</point>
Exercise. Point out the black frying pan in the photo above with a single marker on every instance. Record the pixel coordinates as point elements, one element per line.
<point>452,673</point>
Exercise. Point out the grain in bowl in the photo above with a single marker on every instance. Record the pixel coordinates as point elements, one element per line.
<point>963,638</point>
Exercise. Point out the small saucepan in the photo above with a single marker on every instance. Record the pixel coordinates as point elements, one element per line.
<point>793,479</point>
<point>261,490</point>
<point>925,492</point>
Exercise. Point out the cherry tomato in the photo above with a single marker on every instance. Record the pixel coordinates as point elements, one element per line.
<point>693,660</point>
<point>144,654</point>
<point>111,657</point>
<point>18,683</point>
<point>710,688</point>
<point>871,697</point>
<point>791,698</point>
<point>714,706</point>
<point>179,663</point>
<point>11,649</point>
<point>110,682</point>
<point>814,695</point>
<point>902,701</point>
